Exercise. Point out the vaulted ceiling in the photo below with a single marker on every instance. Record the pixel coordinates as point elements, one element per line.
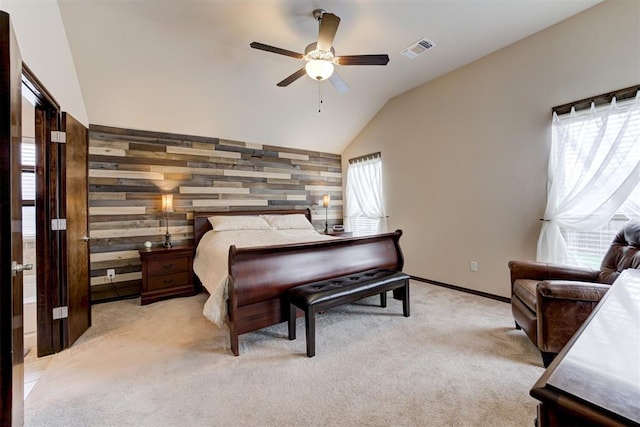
<point>185,66</point>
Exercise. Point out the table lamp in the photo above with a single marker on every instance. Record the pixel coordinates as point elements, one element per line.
<point>326,200</point>
<point>167,206</point>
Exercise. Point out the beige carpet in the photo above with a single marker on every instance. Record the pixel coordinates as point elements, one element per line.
<point>456,361</point>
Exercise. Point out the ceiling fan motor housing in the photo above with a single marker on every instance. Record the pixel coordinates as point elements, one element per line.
<point>319,62</point>
<point>311,52</point>
<point>317,14</point>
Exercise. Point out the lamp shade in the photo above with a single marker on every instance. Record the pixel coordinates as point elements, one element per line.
<point>167,202</point>
<point>326,200</point>
<point>319,69</point>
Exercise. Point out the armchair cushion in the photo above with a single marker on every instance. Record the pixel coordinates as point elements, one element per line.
<point>525,290</point>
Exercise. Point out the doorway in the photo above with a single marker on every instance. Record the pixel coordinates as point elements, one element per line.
<point>33,366</point>
<point>28,163</point>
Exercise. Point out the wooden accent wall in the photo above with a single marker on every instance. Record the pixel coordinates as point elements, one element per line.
<point>129,170</point>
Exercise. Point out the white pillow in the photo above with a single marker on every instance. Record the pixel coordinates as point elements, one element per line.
<point>238,222</point>
<point>291,221</point>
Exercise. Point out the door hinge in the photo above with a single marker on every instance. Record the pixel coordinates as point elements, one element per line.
<point>58,224</point>
<point>60,312</point>
<point>58,136</point>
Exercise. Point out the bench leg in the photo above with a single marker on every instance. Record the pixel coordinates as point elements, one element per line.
<point>383,299</point>
<point>292,321</point>
<point>310,327</point>
<point>405,299</point>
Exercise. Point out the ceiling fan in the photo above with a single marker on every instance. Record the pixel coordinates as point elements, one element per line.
<point>320,56</point>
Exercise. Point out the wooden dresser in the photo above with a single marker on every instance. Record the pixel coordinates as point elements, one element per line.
<point>339,233</point>
<point>595,380</point>
<point>166,273</point>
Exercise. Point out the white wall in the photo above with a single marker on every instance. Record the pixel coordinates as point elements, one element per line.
<point>465,156</point>
<point>44,48</point>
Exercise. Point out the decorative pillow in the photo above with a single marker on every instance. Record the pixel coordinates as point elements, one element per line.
<point>238,222</point>
<point>291,221</point>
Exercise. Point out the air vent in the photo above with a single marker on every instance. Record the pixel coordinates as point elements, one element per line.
<point>418,48</point>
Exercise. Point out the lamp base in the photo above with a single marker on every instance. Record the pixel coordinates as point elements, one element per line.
<point>167,241</point>
<point>326,219</point>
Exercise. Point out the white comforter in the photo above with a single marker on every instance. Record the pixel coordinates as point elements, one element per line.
<point>210,262</point>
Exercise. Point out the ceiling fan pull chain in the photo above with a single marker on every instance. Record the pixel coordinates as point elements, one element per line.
<point>319,96</point>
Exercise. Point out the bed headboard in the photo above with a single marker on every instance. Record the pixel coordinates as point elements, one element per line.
<point>201,222</point>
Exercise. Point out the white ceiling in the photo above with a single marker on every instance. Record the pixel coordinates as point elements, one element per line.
<point>185,66</point>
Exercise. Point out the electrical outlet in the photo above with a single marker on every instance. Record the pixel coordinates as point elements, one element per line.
<point>473,266</point>
<point>111,273</point>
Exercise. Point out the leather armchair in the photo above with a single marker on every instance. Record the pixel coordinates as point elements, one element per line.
<point>550,302</point>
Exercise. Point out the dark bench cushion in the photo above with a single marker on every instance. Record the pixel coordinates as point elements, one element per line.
<point>344,287</point>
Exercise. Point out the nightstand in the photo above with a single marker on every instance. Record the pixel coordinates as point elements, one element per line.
<point>166,273</point>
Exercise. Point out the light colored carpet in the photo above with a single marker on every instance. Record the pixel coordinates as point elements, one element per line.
<point>456,361</point>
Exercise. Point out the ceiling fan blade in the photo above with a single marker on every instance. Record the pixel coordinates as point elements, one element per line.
<point>340,85</point>
<point>266,47</point>
<point>363,60</point>
<point>293,77</point>
<point>328,27</point>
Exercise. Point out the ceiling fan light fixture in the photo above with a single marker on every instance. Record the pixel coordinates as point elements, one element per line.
<point>319,69</point>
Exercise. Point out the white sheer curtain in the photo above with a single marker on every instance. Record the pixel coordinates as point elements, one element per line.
<point>364,212</point>
<point>594,173</point>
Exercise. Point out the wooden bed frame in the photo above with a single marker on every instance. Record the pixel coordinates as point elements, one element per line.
<point>260,275</point>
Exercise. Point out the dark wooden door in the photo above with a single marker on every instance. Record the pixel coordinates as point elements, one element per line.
<point>62,251</point>
<point>48,242</point>
<point>77,240</point>
<point>11,329</point>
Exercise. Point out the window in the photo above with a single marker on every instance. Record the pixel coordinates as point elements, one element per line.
<point>364,213</point>
<point>587,248</point>
<point>594,182</point>
<point>28,162</point>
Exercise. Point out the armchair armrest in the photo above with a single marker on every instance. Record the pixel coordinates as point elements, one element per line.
<point>571,290</point>
<point>544,271</point>
<point>561,308</point>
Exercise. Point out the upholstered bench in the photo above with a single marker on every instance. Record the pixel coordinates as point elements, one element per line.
<point>325,294</point>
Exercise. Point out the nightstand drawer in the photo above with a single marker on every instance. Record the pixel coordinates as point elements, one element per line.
<point>168,281</point>
<point>168,266</point>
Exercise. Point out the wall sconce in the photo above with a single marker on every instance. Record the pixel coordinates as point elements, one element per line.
<point>326,201</point>
<point>167,206</point>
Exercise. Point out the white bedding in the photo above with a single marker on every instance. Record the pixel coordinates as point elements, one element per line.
<point>210,262</point>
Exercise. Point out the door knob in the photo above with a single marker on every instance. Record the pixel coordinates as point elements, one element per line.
<point>86,238</point>
<point>17,268</point>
